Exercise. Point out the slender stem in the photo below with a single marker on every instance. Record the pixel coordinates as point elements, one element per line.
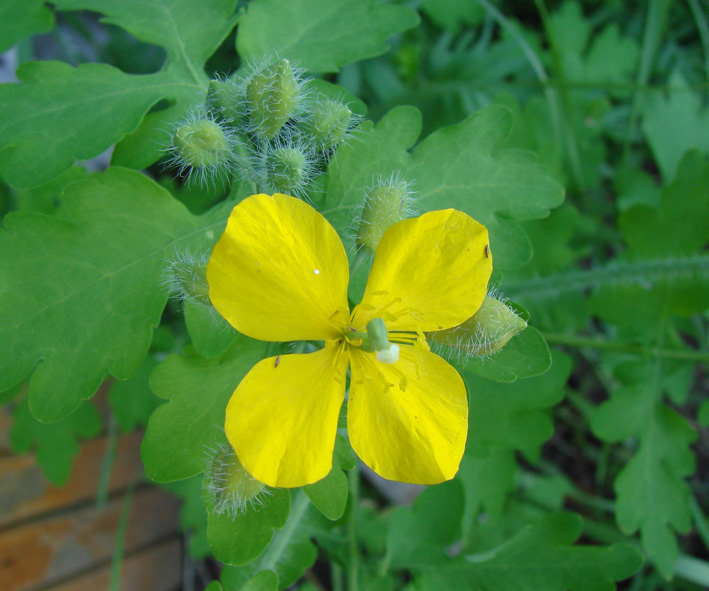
<point>642,273</point>
<point>700,520</point>
<point>534,61</point>
<point>280,542</point>
<point>119,545</point>
<point>353,566</point>
<point>336,575</point>
<point>623,347</point>
<point>109,459</point>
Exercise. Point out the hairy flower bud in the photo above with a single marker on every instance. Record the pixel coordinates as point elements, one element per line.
<point>227,100</point>
<point>202,147</point>
<point>230,488</point>
<point>385,204</point>
<point>273,96</point>
<point>328,124</point>
<point>288,168</point>
<point>485,333</point>
<point>186,278</point>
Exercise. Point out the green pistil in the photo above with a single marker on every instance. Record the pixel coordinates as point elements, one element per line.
<point>375,339</point>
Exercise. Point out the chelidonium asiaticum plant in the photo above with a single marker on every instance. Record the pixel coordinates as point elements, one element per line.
<point>280,273</point>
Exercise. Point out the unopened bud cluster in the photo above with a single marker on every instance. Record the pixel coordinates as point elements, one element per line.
<point>482,335</point>
<point>263,125</point>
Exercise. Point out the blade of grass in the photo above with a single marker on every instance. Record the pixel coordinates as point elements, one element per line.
<point>565,99</point>
<point>534,61</point>
<point>119,548</point>
<point>701,19</point>
<point>654,28</point>
<point>107,464</point>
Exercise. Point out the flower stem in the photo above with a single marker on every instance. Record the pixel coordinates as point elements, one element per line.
<point>353,566</point>
<point>594,343</point>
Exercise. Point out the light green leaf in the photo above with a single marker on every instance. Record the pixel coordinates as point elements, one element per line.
<point>47,198</point>
<point>467,166</point>
<point>329,495</point>
<point>541,557</point>
<point>513,416</point>
<point>675,121</point>
<point>181,432</point>
<point>320,35</point>
<point>418,535</point>
<point>240,538</point>
<point>59,114</point>
<point>57,443</point>
<point>82,290</point>
<point>22,18</point>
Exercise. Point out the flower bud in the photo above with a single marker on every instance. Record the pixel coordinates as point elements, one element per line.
<point>485,333</point>
<point>288,168</point>
<point>328,124</point>
<point>230,487</point>
<point>227,101</point>
<point>385,204</point>
<point>186,278</point>
<point>203,148</point>
<point>273,96</point>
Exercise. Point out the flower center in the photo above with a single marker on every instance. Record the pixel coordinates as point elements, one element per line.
<point>375,339</point>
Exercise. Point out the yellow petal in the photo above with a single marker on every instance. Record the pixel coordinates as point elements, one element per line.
<point>408,421</point>
<point>429,273</point>
<point>279,272</point>
<point>282,419</point>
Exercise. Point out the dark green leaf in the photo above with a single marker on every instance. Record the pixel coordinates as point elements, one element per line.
<point>514,416</point>
<point>419,534</point>
<point>541,557</point>
<point>57,443</point>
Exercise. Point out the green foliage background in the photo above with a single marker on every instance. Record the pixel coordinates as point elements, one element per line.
<point>577,131</point>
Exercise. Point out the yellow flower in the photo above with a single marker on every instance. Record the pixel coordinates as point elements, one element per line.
<point>279,273</point>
